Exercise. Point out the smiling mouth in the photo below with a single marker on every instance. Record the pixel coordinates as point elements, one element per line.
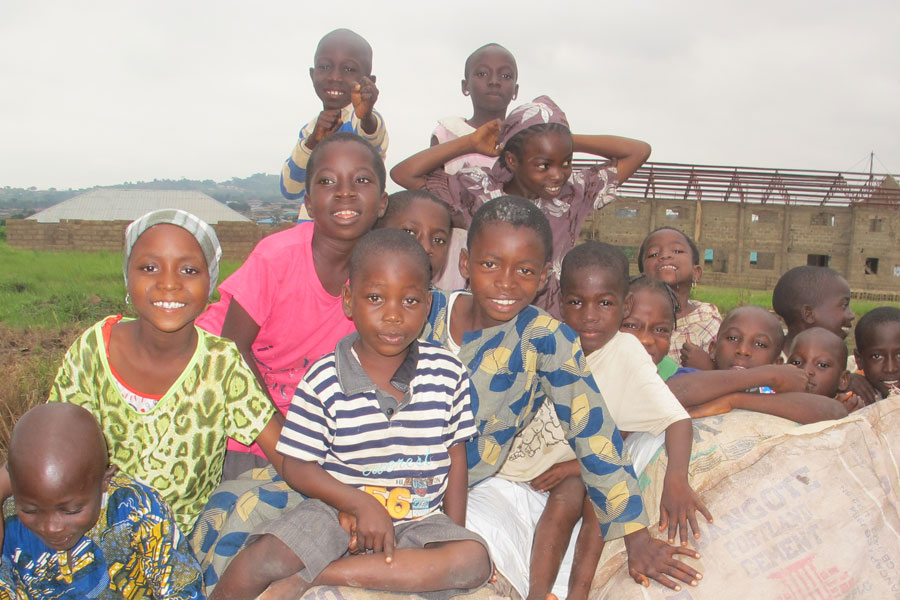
<point>845,330</point>
<point>345,214</point>
<point>169,305</point>
<point>503,302</point>
<point>553,190</point>
<point>667,268</point>
<point>334,93</point>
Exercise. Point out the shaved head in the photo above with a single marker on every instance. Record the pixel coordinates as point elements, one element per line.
<point>57,440</point>
<point>351,40</point>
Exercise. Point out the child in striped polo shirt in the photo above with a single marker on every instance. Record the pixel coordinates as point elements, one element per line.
<point>375,439</point>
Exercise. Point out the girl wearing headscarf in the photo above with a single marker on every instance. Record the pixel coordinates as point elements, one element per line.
<point>167,394</point>
<point>535,148</point>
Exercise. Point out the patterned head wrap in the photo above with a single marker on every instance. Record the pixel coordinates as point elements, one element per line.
<point>202,232</point>
<point>540,111</point>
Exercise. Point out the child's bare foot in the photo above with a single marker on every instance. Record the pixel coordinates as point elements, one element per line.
<point>289,588</point>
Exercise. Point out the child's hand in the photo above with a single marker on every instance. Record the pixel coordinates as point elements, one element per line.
<point>850,401</point>
<point>719,406</point>
<point>860,386</point>
<point>485,138</point>
<point>348,523</point>
<point>374,528</point>
<point>655,559</point>
<point>678,507</point>
<point>695,357</point>
<point>550,478</point>
<point>363,97</point>
<point>788,378</point>
<point>328,122</point>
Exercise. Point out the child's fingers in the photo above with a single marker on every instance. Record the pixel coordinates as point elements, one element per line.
<point>663,518</point>
<point>695,526</point>
<point>639,578</point>
<point>389,546</point>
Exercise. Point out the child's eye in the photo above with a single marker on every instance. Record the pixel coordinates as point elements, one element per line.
<point>363,179</point>
<point>731,338</point>
<point>73,511</point>
<point>148,268</point>
<point>325,180</point>
<point>677,251</point>
<point>542,167</point>
<point>796,362</point>
<point>488,264</point>
<point>323,67</point>
<point>761,344</point>
<point>374,298</point>
<point>526,271</point>
<point>439,241</point>
<point>349,70</point>
<point>605,303</point>
<point>191,271</point>
<point>481,74</point>
<point>506,76</point>
<point>567,163</point>
<point>574,302</point>
<point>663,331</point>
<point>628,325</point>
<point>823,365</point>
<point>876,356</point>
<point>652,254</point>
<point>412,301</point>
<point>409,231</point>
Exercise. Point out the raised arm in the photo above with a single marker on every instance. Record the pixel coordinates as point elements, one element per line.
<point>630,154</point>
<point>411,172</point>
<point>703,386</point>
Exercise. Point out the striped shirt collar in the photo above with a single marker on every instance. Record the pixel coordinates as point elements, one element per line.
<point>353,379</point>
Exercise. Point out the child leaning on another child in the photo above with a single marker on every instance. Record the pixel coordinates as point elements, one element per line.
<point>342,79</point>
<point>77,528</point>
<point>376,431</point>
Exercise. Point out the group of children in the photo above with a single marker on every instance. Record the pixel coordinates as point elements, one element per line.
<point>335,357</point>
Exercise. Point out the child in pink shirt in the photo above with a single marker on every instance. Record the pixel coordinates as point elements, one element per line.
<point>282,307</point>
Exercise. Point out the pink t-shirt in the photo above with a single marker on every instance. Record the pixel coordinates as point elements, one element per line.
<point>299,321</point>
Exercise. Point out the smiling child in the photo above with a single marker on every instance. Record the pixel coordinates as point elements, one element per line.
<point>342,79</point>
<point>878,349</point>
<point>425,217</point>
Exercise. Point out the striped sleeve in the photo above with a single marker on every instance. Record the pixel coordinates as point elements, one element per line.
<point>460,425</point>
<point>309,427</point>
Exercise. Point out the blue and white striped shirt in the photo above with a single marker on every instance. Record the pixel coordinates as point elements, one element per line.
<point>400,456</point>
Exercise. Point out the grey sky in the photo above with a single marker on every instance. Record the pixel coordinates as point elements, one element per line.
<point>127,91</point>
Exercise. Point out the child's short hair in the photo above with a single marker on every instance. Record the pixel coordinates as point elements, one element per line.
<point>398,201</point>
<point>472,56</point>
<point>516,143</point>
<point>347,136</point>
<point>598,255</point>
<point>380,242</point>
<point>798,287</point>
<point>777,333</point>
<point>515,211</point>
<point>349,33</point>
<point>830,336</point>
<point>645,282</point>
<point>695,253</point>
<point>872,320</point>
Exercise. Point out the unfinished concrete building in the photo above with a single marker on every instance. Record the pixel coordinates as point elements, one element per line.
<point>751,225</point>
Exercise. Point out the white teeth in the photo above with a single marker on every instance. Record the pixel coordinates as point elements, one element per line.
<point>334,93</point>
<point>169,305</point>
<point>505,302</point>
<point>346,213</point>
<point>672,267</point>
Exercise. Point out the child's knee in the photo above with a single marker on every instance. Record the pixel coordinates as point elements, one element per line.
<point>567,496</point>
<point>474,565</point>
<point>270,558</point>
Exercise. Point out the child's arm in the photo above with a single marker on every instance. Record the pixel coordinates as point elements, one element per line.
<point>240,328</point>
<point>629,154</point>
<point>363,97</point>
<point>374,527</point>
<point>550,478</point>
<point>457,495</point>
<point>703,386</point>
<point>411,172</point>
<point>268,439</point>
<point>800,407</point>
<point>679,502</point>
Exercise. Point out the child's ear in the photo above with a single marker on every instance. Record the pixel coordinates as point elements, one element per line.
<point>627,305</point>
<point>347,301</point>
<point>511,161</point>
<point>808,314</point>
<point>464,262</point>
<point>545,274</point>
<point>515,92</point>
<point>844,381</point>
<point>382,206</point>
<point>712,351</point>
<point>697,274</point>
<point>312,71</point>
<point>107,476</point>
<point>464,86</point>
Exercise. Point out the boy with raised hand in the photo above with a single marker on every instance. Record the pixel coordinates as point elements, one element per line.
<point>376,431</point>
<point>342,79</point>
<point>77,528</point>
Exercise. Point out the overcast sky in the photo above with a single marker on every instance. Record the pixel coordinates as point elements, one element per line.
<point>125,91</point>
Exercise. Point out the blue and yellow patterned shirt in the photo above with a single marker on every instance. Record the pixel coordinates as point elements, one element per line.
<point>513,367</point>
<point>134,552</point>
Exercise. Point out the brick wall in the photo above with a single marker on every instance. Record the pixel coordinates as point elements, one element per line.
<point>237,238</point>
<point>751,245</point>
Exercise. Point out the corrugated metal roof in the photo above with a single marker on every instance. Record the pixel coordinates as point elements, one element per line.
<point>128,205</point>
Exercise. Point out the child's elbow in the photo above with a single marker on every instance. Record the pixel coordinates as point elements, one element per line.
<point>402,177</point>
<point>643,151</point>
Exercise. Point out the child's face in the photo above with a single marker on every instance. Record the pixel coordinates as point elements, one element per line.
<point>651,321</point>
<point>833,312</point>
<point>746,339</point>
<point>667,257</point>
<point>389,303</point>
<point>506,267</point>
<point>345,198</point>
<point>429,223</point>
<point>491,80</point>
<point>545,166</point>
<point>818,353</point>
<point>879,357</point>
<point>168,279</point>
<point>59,508</point>
<point>593,303</point>
<point>340,62</point>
